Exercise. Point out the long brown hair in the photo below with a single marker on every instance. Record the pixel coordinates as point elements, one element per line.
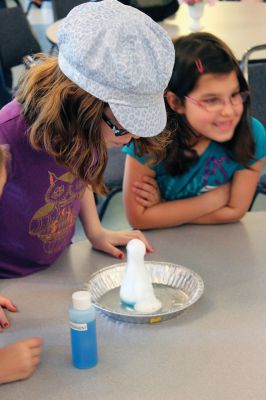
<point>216,58</point>
<point>2,159</point>
<point>64,120</point>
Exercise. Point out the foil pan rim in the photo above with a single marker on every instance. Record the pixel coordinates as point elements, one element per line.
<point>117,270</point>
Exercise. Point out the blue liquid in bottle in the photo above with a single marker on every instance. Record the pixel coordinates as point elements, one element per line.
<point>83,331</point>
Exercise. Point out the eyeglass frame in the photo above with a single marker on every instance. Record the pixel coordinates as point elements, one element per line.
<point>117,131</point>
<point>246,94</point>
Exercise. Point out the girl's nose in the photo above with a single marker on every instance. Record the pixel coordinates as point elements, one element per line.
<point>228,108</point>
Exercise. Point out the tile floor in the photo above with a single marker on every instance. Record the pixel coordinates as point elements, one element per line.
<point>114,217</point>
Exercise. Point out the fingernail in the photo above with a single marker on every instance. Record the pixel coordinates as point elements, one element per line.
<point>5,325</point>
<point>120,256</point>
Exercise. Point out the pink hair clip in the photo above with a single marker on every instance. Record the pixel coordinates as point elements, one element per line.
<point>199,65</point>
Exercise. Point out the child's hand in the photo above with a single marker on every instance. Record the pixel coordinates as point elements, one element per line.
<point>147,192</point>
<point>19,360</point>
<point>4,302</point>
<point>107,240</point>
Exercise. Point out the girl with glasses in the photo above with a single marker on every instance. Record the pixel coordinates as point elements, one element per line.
<point>212,164</point>
<point>57,131</point>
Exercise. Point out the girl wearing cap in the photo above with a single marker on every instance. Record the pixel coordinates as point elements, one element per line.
<point>212,165</point>
<point>68,110</point>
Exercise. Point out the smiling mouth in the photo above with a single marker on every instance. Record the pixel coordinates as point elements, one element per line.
<point>224,126</point>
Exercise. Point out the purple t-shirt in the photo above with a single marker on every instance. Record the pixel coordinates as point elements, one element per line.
<point>39,205</point>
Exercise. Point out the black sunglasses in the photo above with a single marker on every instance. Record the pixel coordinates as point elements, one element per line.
<point>117,131</point>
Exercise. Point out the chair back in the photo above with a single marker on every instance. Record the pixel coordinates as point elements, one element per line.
<point>255,74</point>
<point>62,7</point>
<point>16,37</point>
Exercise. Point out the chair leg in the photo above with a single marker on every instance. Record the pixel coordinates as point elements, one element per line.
<point>261,189</point>
<point>107,201</point>
<point>53,49</point>
<point>28,8</point>
<point>253,200</point>
<point>37,3</point>
<point>18,3</point>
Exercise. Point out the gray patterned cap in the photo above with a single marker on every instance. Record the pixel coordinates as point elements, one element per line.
<point>121,56</point>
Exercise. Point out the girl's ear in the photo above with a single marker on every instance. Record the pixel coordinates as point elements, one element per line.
<point>174,102</point>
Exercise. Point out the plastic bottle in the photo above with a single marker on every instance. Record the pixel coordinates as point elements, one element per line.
<point>83,331</point>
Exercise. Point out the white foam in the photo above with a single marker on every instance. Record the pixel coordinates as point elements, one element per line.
<point>148,307</point>
<point>136,289</point>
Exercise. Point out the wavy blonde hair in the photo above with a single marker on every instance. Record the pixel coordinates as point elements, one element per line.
<point>65,121</point>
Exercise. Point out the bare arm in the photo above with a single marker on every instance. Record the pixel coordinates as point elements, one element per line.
<point>101,238</point>
<point>88,214</point>
<point>243,188</point>
<point>169,213</point>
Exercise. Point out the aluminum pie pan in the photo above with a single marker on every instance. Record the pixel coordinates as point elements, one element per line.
<point>177,287</point>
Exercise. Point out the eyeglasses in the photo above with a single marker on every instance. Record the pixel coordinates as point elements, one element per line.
<point>216,104</point>
<point>117,131</point>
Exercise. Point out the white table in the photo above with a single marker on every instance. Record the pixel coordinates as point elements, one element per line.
<point>240,25</point>
<point>214,350</point>
<point>51,32</point>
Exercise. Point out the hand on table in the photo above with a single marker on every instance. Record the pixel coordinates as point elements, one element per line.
<point>147,192</point>
<point>6,303</point>
<point>20,359</point>
<point>107,240</point>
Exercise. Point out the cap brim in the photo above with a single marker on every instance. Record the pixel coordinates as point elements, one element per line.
<point>141,121</point>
